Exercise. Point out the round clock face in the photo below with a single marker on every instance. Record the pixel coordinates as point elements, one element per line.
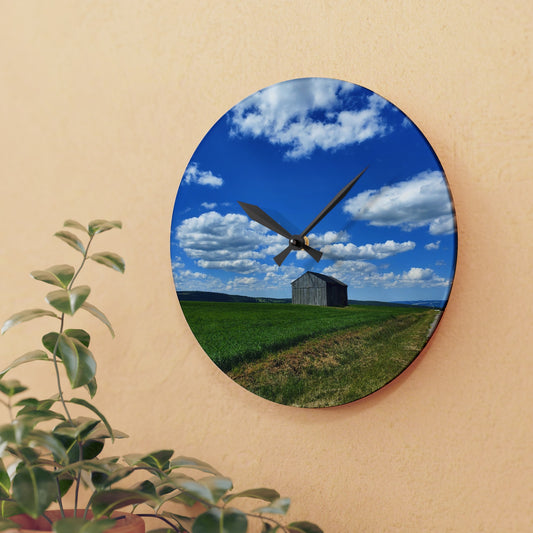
<point>313,242</point>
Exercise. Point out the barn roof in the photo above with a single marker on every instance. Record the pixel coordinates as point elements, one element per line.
<point>328,279</point>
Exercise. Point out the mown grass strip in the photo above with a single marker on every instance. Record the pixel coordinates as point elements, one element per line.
<point>339,367</point>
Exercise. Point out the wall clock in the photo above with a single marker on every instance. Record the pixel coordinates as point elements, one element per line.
<point>313,242</point>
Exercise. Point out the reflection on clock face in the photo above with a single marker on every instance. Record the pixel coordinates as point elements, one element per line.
<point>313,242</point>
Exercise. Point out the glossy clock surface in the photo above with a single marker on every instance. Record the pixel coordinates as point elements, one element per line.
<point>313,242</point>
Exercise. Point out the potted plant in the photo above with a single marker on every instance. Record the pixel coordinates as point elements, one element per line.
<point>46,452</point>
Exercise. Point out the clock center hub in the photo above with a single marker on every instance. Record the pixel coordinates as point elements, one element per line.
<point>299,241</point>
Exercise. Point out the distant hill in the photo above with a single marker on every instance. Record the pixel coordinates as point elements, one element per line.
<point>205,296</point>
<point>436,304</point>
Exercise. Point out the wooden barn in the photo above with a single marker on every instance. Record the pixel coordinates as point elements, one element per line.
<point>317,289</point>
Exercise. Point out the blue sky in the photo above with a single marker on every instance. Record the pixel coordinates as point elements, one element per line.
<point>289,149</point>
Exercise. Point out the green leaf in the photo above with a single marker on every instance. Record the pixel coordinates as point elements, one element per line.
<point>148,488</point>
<point>303,527</point>
<point>48,441</point>
<point>34,416</point>
<point>99,225</point>
<point>110,260</point>
<point>221,521</point>
<point>71,240</point>
<point>105,502</point>
<point>76,225</point>
<point>50,339</point>
<point>5,482</point>
<point>98,314</point>
<point>68,301</point>
<point>102,479</point>
<point>35,355</point>
<point>29,455</point>
<point>59,275</point>
<point>279,506</point>
<point>196,464</point>
<point>87,450</point>
<point>217,485</point>
<point>158,459</point>
<point>79,525</point>
<point>10,387</point>
<point>24,316</point>
<point>15,432</point>
<point>8,525</point>
<point>33,404</point>
<point>78,360</point>
<point>92,387</point>
<point>78,428</point>
<point>9,508</point>
<point>98,413</point>
<point>79,334</point>
<point>34,489</point>
<point>267,495</point>
<point>193,488</point>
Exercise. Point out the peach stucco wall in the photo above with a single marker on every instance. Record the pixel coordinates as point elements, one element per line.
<point>101,106</point>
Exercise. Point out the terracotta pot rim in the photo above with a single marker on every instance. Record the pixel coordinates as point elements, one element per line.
<point>129,523</point>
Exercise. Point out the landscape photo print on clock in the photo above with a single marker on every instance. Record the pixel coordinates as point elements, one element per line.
<point>313,242</point>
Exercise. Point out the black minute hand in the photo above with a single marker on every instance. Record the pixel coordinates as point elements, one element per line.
<point>340,195</point>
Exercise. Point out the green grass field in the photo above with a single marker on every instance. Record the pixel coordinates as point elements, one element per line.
<point>308,355</point>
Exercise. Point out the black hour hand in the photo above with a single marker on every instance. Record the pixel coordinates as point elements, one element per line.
<point>257,214</point>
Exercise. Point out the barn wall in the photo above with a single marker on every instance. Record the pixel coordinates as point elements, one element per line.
<point>309,296</point>
<point>337,295</point>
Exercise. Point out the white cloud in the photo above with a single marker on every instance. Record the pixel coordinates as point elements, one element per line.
<point>329,237</point>
<point>243,266</point>
<point>201,177</point>
<point>230,242</point>
<point>177,263</point>
<point>432,245</point>
<point>417,274</point>
<point>380,250</point>
<point>364,274</point>
<point>187,276</point>
<point>420,201</point>
<point>197,281</point>
<point>443,225</point>
<point>285,114</point>
<point>209,205</point>
<point>214,237</point>
<point>235,243</point>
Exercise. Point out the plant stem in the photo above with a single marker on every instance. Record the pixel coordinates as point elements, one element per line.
<point>168,522</point>
<point>82,263</point>
<point>88,506</point>
<point>9,408</point>
<point>58,377</point>
<point>261,517</point>
<point>60,389</point>
<point>78,478</point>
<point>59,498</point>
